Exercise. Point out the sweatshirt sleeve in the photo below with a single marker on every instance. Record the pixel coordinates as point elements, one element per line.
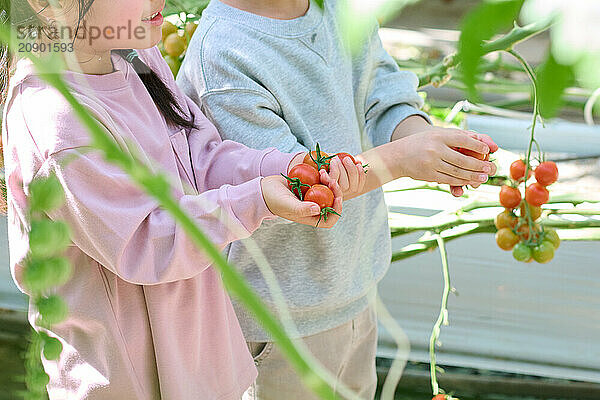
<point>392,95</point>
<point>125,230</point>
<point>216,161</point>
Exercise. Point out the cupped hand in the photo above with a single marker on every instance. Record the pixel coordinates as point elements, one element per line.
<point>282,202</point>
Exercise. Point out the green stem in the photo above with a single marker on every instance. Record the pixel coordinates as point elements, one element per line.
<point>442,317</point>
<point>535,113</point>
<point>506,42</point>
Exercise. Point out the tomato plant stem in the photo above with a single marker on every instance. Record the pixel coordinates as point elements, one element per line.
<point>506,42</point>
<point>442,317</point>
<point>531,74</point>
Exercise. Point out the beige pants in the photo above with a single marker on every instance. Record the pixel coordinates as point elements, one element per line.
<point>347,351</point>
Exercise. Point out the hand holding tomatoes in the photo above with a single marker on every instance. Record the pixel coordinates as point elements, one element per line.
<point>350,174</point>
<point>431,156</point>
<point>458,191</point>
<point>281,201</point>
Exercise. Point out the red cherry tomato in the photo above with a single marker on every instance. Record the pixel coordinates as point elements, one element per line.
<point>546,173</point>
<point>536,194</point>
<point>439,397</point>
<point>318,159</point>
<point>307,175</point>
<point>510,197</point>
<point>472,153</point>
<point>517,170</point>
<point>321,195</point>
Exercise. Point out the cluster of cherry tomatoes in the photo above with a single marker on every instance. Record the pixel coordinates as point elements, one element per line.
<point>304,180</point>
<point>520,233</point>
<point>174,43</point>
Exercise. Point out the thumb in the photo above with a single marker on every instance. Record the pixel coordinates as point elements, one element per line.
<point>307,209</point>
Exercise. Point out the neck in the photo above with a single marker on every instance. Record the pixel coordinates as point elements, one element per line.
<point>278,9</point>
<point>93,64</point>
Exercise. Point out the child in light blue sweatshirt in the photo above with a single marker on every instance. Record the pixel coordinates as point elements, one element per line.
<point>276,74</point>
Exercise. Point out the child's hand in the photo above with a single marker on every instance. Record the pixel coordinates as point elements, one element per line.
<point>430,155</point>
<point>458,191</point>
<point>282,202</point>
<point>350,176</point>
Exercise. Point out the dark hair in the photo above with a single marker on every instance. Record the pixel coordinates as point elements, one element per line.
<point>161,95</point>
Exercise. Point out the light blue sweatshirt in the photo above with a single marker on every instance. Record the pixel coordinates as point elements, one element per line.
<point>290,84</point>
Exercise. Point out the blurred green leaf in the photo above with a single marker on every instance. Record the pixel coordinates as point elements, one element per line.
<point>552,79</point>
<point>45,194</point>
<point>48,238</point>
<point>52,309</point>
<point>358,18</point>
<point>488,18</point>
<point>43,274</point>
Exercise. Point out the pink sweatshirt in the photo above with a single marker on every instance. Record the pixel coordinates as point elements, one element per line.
<point>148,317</point>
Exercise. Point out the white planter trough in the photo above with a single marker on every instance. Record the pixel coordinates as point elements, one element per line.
<point>532,319</point>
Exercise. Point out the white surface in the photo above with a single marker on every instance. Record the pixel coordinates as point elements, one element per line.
<point>527,318</point>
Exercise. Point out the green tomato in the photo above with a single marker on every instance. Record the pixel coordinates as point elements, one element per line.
<point>45,194</point>
<point>551,236</point>
<point>52,348</point>
<point>48,238</point>
<point>174,64</point>
<point>544,252</point>
<point>522,252</point>
<point>52,309</point>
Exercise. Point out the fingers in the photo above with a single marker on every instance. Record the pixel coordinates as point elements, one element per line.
<point>459,138</point>
<point>456,191</point>
<point>485,139</point>
<point>456,172</point>
<point>343,178</point>
<point>335,169</point>
<point>443,178</point>
<point>352,174</point>
<point>466,162</point>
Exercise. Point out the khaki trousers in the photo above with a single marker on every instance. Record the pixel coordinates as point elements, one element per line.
<point>347,351</point>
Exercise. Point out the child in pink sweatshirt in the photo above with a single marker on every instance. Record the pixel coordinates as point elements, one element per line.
<point>148,316</point>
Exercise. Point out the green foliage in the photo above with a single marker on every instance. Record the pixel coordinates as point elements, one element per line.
<point>194,7</point>
<point>41,274</point>
<point>52,348</point>
<point>552,79</point>
<point>45,194</point>
<point>480,24</point>
<point>35,377</point>
<point>48,238</point>
<point>52,309</point>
